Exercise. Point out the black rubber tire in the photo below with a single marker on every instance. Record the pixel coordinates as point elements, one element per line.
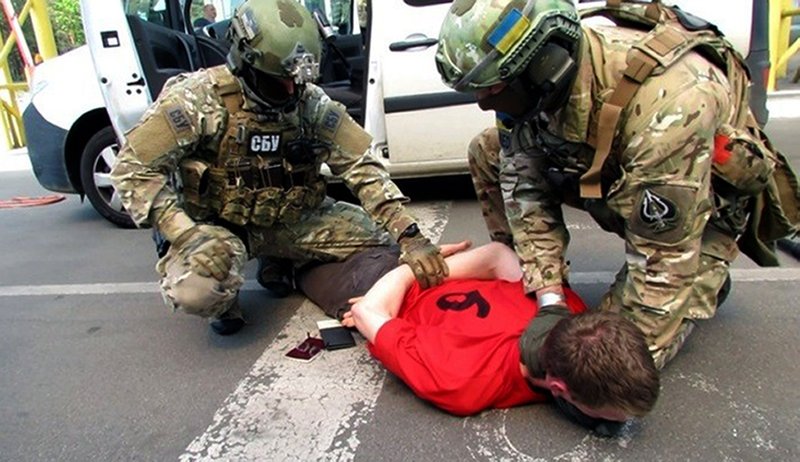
<point>96,163</point>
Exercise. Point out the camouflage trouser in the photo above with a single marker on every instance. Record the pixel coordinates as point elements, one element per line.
<point>665,332</point>
<point>185,290</point>
<point>331,232</point>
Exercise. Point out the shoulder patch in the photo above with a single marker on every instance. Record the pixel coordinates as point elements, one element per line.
<point>330,122</point>
<point>661,213</point>
<point>504,124</point>
<point>178,119</point>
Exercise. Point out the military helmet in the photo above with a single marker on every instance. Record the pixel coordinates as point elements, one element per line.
<point>484,42</point>
<point>276,37</point>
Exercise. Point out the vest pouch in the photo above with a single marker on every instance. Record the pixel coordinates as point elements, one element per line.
<point>237,204</point>
<point>195,181</point>
<point>267,206</point>
<point>293,204</point>
<point>741,160</point>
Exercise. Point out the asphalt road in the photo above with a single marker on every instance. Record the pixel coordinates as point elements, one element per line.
<point>94,367</point>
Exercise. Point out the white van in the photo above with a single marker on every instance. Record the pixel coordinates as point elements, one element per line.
<point>84,101</point>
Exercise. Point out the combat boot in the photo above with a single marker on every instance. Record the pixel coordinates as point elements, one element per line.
<point>275,275</point>
<point>229,322</point>
<point>724,291</point>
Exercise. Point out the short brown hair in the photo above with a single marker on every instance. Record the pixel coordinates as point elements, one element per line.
<point>604,361</point>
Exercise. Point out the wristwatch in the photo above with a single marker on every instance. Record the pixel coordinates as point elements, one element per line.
<point>411,231</point>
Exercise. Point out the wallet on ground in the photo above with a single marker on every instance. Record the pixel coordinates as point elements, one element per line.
<point>335,335</point>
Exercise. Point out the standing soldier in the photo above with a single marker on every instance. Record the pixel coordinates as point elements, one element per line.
<point>627,123</point>
<point>225,165</point>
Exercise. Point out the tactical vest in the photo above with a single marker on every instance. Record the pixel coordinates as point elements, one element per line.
<point>756,191</point>
<point>265,171</point>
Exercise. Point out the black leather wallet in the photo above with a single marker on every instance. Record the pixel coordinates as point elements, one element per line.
<point>335,335</point>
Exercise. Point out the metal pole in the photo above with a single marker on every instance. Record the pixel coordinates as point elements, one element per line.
<point>16,31</point>
<point>42,29</point>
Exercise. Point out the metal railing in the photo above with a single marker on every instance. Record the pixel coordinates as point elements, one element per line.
<point>780,51</point>
<point>12,134</point>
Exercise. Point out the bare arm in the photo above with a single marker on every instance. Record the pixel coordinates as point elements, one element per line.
<point>490,261</point>
<point>383,300</point>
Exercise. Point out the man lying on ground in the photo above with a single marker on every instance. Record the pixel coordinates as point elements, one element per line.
<point>477,342</point>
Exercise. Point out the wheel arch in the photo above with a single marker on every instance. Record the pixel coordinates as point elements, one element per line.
<point>79,135</point>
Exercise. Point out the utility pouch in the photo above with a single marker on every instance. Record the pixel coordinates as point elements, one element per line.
<point>741,160</point>
<point>237,204</point>
<point>195,179</point>
<point>292,205</point>
<point>267,206</point>
<point>775,211</point>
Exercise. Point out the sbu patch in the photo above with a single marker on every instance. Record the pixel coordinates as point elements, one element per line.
<point>661,212</point>
<point>178,119</point>
<point>264,143</point>
<point>331,120</point>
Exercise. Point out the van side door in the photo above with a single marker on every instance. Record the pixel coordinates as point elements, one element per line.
<point>420,125</point>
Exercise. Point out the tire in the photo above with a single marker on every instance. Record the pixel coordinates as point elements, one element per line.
<point>96,162</point>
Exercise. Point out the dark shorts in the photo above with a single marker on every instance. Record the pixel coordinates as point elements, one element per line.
<point>331,285</point>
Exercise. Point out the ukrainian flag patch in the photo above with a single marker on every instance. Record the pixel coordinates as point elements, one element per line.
<point>508,31</point>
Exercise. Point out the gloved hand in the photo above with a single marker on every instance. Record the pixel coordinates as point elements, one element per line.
<point>208,254</point>
<point>424,258</point>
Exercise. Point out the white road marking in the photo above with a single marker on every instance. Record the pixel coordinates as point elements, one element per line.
<point>486,439</point>
<point>287,410</point>
<point>784,104</point>
<point>16,160</point>
<point>587,277</point>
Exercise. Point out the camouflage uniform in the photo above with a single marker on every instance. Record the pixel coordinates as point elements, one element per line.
<point>657,192</point>
<point>191,160</point>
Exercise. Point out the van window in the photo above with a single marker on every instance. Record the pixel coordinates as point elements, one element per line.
<point>338,12</point>
<point>154,11</point>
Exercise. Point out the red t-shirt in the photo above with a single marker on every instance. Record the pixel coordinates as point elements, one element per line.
<point>457,344</point>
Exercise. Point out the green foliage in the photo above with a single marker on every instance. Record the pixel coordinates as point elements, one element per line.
<point>65,15</point>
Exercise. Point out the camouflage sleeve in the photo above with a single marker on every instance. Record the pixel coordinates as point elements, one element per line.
<point>351,160</point>
<point>534,214</point>
<point>168,131</point>
<point>667,144</point>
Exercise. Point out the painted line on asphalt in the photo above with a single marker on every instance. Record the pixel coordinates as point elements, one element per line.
<point>288,410</point>
<point>16,160</point>
<point>586,277</point>
<point>783,105</point>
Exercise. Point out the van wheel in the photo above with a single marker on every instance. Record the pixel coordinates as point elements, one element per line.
<point>96,162</point>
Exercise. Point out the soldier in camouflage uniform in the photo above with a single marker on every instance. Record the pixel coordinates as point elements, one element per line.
<point>546,75</point>
<point>225,165</point>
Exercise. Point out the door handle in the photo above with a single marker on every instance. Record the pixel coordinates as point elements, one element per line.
<point>138,82</point>
<point>417,42</point>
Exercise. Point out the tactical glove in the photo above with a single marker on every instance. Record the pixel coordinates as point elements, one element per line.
<point>424,258</point>
<point>208,254</point>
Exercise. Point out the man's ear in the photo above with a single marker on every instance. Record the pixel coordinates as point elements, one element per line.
<point>556,386</point>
